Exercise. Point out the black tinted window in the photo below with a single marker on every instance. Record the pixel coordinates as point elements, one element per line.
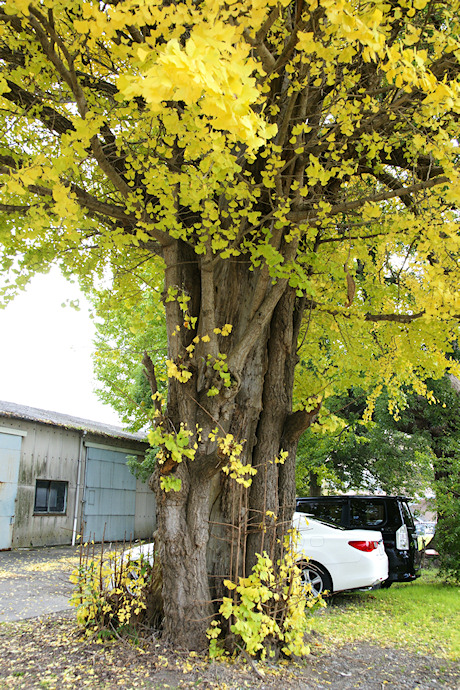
<point>408,517</point>
<point>327,511</point>
<point>394,519</point>
<point>367,513</point>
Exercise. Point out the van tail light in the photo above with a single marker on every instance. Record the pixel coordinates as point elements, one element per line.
<point>364,545</point>
<point>402,538</point>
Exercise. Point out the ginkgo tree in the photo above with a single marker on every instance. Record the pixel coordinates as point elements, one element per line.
<point>293,165</point>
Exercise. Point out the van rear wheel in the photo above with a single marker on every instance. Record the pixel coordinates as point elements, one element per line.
<point>315,578</point>
<point>386,584</point>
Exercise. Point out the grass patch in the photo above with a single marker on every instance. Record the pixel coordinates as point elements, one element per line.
<point>422,616</point>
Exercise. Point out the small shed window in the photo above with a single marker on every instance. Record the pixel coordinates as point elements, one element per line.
<point>50,497</point>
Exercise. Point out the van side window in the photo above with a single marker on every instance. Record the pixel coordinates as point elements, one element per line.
<point>327,511</point>
<point>366,513</point>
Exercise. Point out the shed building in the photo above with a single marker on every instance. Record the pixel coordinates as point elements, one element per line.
<point>60,473</point>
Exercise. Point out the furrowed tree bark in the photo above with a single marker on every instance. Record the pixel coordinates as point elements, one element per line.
<point>277,400</point>
<point>182,520</point>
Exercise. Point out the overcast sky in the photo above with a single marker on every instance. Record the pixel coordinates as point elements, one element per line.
<point>45,351</point>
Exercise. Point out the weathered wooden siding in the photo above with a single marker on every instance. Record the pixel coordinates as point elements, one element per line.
<point>51,452</point>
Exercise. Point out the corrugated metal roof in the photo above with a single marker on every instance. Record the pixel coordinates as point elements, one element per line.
<point>14,411</point>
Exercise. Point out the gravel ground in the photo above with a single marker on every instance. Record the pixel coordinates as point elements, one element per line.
<point>49,652</point>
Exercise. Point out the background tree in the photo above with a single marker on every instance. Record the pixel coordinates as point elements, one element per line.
<point>131,349</point>
<point>448,526</point>
<point>294,165</point>
<point>438,425</point>
<point>376,455</point>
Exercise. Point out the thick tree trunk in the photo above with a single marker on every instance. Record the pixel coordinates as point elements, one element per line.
<point>210,529</point>
<point>315,486</point>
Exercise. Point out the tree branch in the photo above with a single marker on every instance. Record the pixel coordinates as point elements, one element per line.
<point>84,199</point>
<point>302,214</point>
<point>394,184</point>
<point>10,208</point>
<point>252,333</point>
<point>298,422</point>
<point>395,318</point>
<point>398,318</point>
<point>47,38</point>
<point>105,155</point>
<point>348,238</point>
<point>149,371</point>
<point>52,120</point>
<point>261,49</point>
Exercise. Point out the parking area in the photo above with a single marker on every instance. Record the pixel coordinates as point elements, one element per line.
<point>35,581</point>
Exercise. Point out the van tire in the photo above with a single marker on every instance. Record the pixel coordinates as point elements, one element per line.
<point>386,584</point>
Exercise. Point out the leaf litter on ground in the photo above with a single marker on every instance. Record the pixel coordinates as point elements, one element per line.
<point>51,652</point>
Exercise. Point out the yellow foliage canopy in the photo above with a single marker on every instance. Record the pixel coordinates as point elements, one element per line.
<point>315,142</point>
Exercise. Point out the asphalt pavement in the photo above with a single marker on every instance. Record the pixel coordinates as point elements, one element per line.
<point>35,581</point>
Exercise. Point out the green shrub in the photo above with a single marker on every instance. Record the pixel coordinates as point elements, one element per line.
<point>268,611</point>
